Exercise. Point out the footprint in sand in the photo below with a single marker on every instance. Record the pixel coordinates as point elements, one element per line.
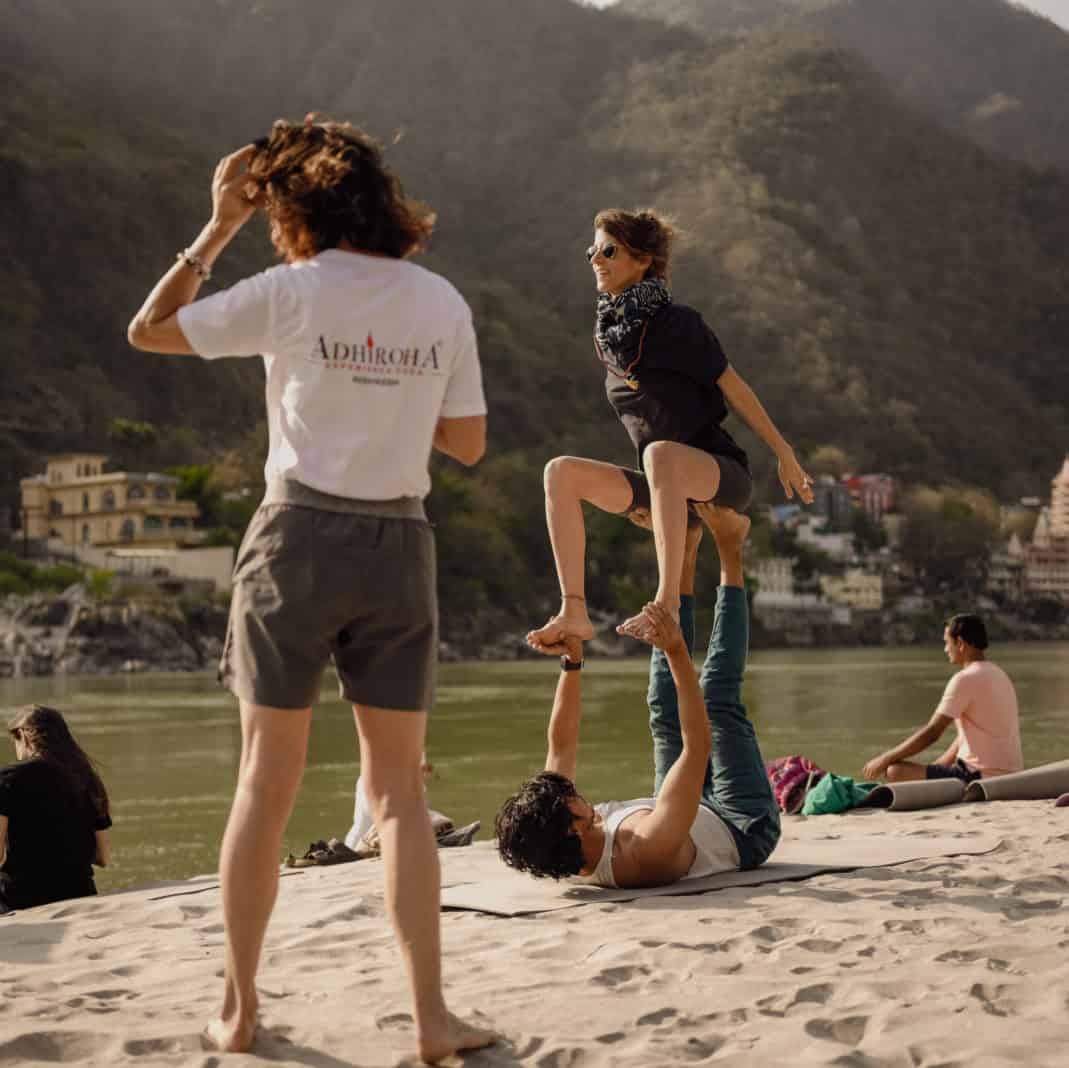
<point>611,1038</point>
<point>613,977</point>
<point>395,1021</point>
<point>568,1057</point>
<point>55,1047</point>
<point>154,1047</point>
<point>820,945</point>
<point>651,1019</point>
<point>849,1030</point>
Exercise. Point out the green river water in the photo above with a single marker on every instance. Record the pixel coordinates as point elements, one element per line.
<point>168,745</point>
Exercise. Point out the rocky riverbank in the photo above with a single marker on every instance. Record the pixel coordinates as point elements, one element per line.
<point>71,634</point>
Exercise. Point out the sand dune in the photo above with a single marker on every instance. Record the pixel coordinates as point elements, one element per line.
<point>963,960</point>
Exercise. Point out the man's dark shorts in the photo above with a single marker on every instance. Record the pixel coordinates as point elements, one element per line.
<point>315,583</point>
<point>958,770</point>
<point>734,491</point>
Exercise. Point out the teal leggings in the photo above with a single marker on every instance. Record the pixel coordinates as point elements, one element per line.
<point>736,786</point>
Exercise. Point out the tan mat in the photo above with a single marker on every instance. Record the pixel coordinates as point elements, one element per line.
<point>496,889</point>
<point>1036,784</point>
<point>910,796</point>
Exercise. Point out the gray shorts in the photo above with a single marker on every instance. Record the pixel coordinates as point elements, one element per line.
<point>734,491</point>
<point>321,578</point>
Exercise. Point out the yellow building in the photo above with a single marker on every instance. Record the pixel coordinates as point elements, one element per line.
<point>76,501</point>
<point>855,588</point>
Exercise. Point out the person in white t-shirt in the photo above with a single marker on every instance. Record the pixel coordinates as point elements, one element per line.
<point>370,362</point>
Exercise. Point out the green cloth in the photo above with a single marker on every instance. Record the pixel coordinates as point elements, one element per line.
<point>835,793</point>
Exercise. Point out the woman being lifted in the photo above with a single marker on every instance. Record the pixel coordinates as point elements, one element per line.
<point>670,383</point>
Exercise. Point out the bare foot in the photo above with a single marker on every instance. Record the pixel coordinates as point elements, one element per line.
<point>638,627</point>
<point>229,1036</point>
<point>441,1047</point>
<point>568,623</point>
<point>728,526</point>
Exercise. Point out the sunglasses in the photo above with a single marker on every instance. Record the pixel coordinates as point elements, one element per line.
<point>608,251</point>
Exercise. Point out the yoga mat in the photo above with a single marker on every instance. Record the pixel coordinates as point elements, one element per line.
<point>500,891</point>
<point>910,796</point>
<point>1036,784</point>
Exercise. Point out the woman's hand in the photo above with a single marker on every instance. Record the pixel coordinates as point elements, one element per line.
<point>793,479</point>
<point>232,200</point>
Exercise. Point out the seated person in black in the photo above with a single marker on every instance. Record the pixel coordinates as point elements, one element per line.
<point>670,383</point>
<point>54,816</point>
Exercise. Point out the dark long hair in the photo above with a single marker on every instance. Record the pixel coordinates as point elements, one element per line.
<point>45,733</point>
<point>322,183</point>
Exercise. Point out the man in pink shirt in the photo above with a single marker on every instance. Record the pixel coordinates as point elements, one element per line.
<point>982,701</point>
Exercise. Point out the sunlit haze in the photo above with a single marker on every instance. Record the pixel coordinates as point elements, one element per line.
<point>1058,10</point>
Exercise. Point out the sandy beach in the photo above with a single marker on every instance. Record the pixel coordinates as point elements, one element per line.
<point>954,961</point>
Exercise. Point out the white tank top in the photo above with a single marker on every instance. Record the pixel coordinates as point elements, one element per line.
<point>715,849</point>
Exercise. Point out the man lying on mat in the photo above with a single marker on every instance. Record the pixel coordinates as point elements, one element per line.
<point>980,700</point>
<point>713,808</point>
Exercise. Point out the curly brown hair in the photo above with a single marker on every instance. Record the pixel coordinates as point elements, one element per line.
<point>645,233</point>
<point>534,828</point>
<point>323,182</point>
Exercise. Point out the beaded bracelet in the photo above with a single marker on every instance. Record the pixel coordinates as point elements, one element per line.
<point>195,264</point>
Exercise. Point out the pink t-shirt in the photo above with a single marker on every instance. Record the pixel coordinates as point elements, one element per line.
<point>983,701</point>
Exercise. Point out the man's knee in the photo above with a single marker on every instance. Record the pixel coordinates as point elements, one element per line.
<point>394,790</point>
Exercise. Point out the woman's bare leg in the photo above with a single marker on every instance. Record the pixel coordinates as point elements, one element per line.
<point>274,742</point>
<point>569,481</point>
<point>391,759</point>
<point>677,473</point>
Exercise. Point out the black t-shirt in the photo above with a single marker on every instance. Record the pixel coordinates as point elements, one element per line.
<point>51,835</point>
<point>677,398</point>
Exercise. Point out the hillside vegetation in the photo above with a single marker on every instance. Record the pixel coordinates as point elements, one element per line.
<point>988,68</point>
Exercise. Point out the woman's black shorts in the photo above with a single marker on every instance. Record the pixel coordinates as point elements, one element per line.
<point>734,491</point>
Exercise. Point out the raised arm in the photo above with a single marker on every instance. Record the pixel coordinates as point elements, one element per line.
<point>155,326</point>
<point>914,744</point>
<point>744,401</point>
<point>660,835</point>
<point>562,736</point>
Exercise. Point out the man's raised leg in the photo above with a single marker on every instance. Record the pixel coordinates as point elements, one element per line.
<point>661,697</point>
<point>274,744</point>
<point>391,758</point>
<point>740,792</point>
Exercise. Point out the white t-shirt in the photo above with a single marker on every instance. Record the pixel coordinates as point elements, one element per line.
<point>363,354</point>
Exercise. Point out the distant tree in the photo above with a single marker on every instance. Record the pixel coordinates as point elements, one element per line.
<point>133,444</point>
<point>196,483</point>
<point>948,536</point>
<point>828,460</point>
<point>868,534</point>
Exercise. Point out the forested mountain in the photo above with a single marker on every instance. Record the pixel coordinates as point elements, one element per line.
<point>887,286</point>
<point>988,68</point>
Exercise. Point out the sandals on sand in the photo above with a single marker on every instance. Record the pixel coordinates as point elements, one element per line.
<point>319,854</point>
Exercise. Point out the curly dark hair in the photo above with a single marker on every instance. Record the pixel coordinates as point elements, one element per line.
<point>534,828</point>
<point>45,733</point>
<point>323,182</point>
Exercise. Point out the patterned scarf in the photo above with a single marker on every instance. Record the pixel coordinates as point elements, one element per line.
<point>620,319</point>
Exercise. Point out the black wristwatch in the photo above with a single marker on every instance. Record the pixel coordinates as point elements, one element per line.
<point>571,665</point>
